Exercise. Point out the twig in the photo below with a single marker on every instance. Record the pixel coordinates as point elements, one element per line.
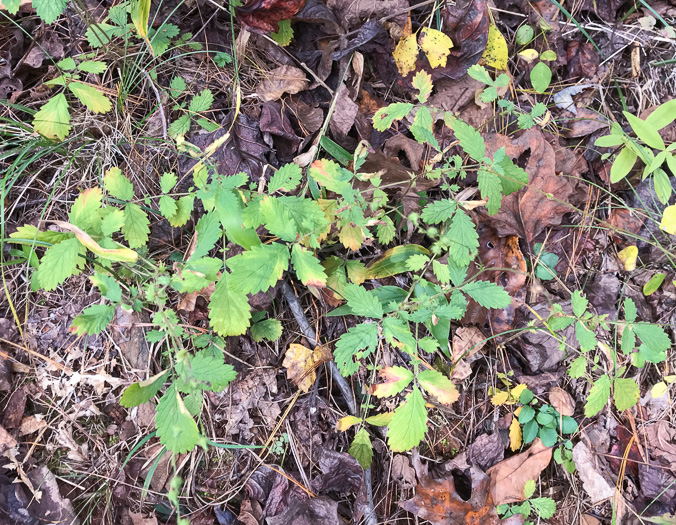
<point>370,516</point>
<point>159,102</point>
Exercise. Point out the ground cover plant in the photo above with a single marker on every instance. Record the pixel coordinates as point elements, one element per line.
<point>306,261</point>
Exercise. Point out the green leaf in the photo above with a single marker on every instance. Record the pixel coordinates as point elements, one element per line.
<point>664,115</point>
<point>92,66</point>
<point>108,286</point>
<point>598,396</point>
<point>175,426</point>
<point>578,367</point>
<point>527,414</point>
<point>161,38</point>
<point>579,303</point>
<point>113,220</point>
<point>267,329</point>
<point>284,33</point>
<point>653,284</point>
<point>479,73</point>
<point>568,425</point>
<point>529,488</point>
<point>585,337</point>
<point>630,311</point>
<point>358,342</point>
<point>229,311</point>
<point>439,211</point>
<point>530,431</point>
<point>362,302</point>
<point>86,210</point>
<point>118,185</point>
<point>409,423</point>
<point>655,342</point>
<point>441,272</point>
<point>177,86</point>
<point>464,240</point>
<point>308,268</point>
<point>361,448</point>
<point>135,227</point>
<point>208,231</point>
<point>53,119</point>
<point>49,10</point>
<point>259,268</point>
<point>394,261</point>
<point>487,294</point>
<point>385,230</point>
<point>168,206</point>
<point>180,126</point>
<point>438,385</point>
<point>184,207</point>
<point>67,64</point>
<point>384,117</point>
<point>397,333</point>
<point>491,189</point>
<point>422,81</point>
<point>422,128</point>
<point>91,97</point>
<point>59,262</point>
<point>544,507</point>
<point>12,6</point>
<point>93,320</point>
<point>609,141</point>
<point>417,262</point>
<point>513,177</point>
<point>396,379</point>
<point>204,371</point>
<point>622,165</point>
<point>329,174</point>
<point>540,77</point>
<point>168,181</point>
<point>201,102</point>
<point>644,131</point>
<point>138,393</point>
<point>626,393</point>
<point>524,35</point>
<point>286,178</point>
<point>470,139</point>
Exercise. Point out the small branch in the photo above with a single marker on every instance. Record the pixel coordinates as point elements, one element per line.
<point>159,102</point>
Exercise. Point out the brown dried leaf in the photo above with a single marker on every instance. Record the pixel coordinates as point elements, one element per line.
<point>509,477</point>
<point>284,79</point>
<point>562,401</point>
<point>264,16</point>
<point>402,471</point>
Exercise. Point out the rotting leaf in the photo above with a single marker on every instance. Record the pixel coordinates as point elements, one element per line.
<point>300,363</point>
<point>263,16</point>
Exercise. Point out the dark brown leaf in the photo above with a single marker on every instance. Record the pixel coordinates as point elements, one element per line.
<point>264,16</point>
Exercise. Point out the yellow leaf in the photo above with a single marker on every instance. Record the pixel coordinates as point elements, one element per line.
<point>115,254</point>
<point>517,390</point>
<point>436,45</point>
<point>628,258</point>
<point>139,16</point>
<point>406,54</point>
<point>517,411</point>
<point>529,55</point>
<point>346,422</point>
<point>659,390</point>
<point>668,223</point>
<point>496,53</point>
<point>500,398</point>
<point>515,435</point>
<point>351,236</point>
<point>300,363</point>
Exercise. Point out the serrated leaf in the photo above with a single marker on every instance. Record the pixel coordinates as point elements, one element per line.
<point>93,320</point>
<point>184,207</point>
<point>53,119</point>
<point>118,185</point>
<point>358,342</point>
<point>229,310</point>
<point>626,393</point>
<point>91,97</point>
<point>578,367</point>
<point>175,426</point>
<point>12,6</point>
<point>422,81</point>
<point>180,126</point>
<point>380,420</point>
<point>405,55</point>
<point>29,233</point>
<point>208,231</point>
<point>286,178</point>
<point>487,294</point>
<point>308,268</point>
<point>513,177</point>
<point>161,38</point>
<point>544,507</point>
<point>135,229</point>
<point>168,181</point>
<point>422,127</point>
<point>417,262</point>
<point>92,66</point>
<point>259,268</point>
<point>438,385</point>
<point>470,140</point>
<point>177,85</point>
<point>86,210</point>
<point>439,211</point>
<point>59,262</point>
<point>585,337</point>
<point>598,396</point>
<point>108,287</point>
<point>168,206</point>
<point>361,448</point>
<point>284,33</point>
<point>362,302</point>
<point>267,329</point>
<point>491,189</point>
<point>201,102</point>
<point>385,231</point>
<point>384,117</point>
<point>347,422</point>
<point>655,342</point>
<point>49,10</point>
<point>409,423</point>
<point>138,393</point>
<point>396,379</point>
<point>329,174</point>
<point>479,73</point>
<point>113,220</point>
<point>436,46</point>
<point>204,371</point>
<point>496,53</point>
<point>464,240</point>
<point>397,333</point>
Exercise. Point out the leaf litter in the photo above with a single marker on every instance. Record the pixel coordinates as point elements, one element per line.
<point>293,92</point>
